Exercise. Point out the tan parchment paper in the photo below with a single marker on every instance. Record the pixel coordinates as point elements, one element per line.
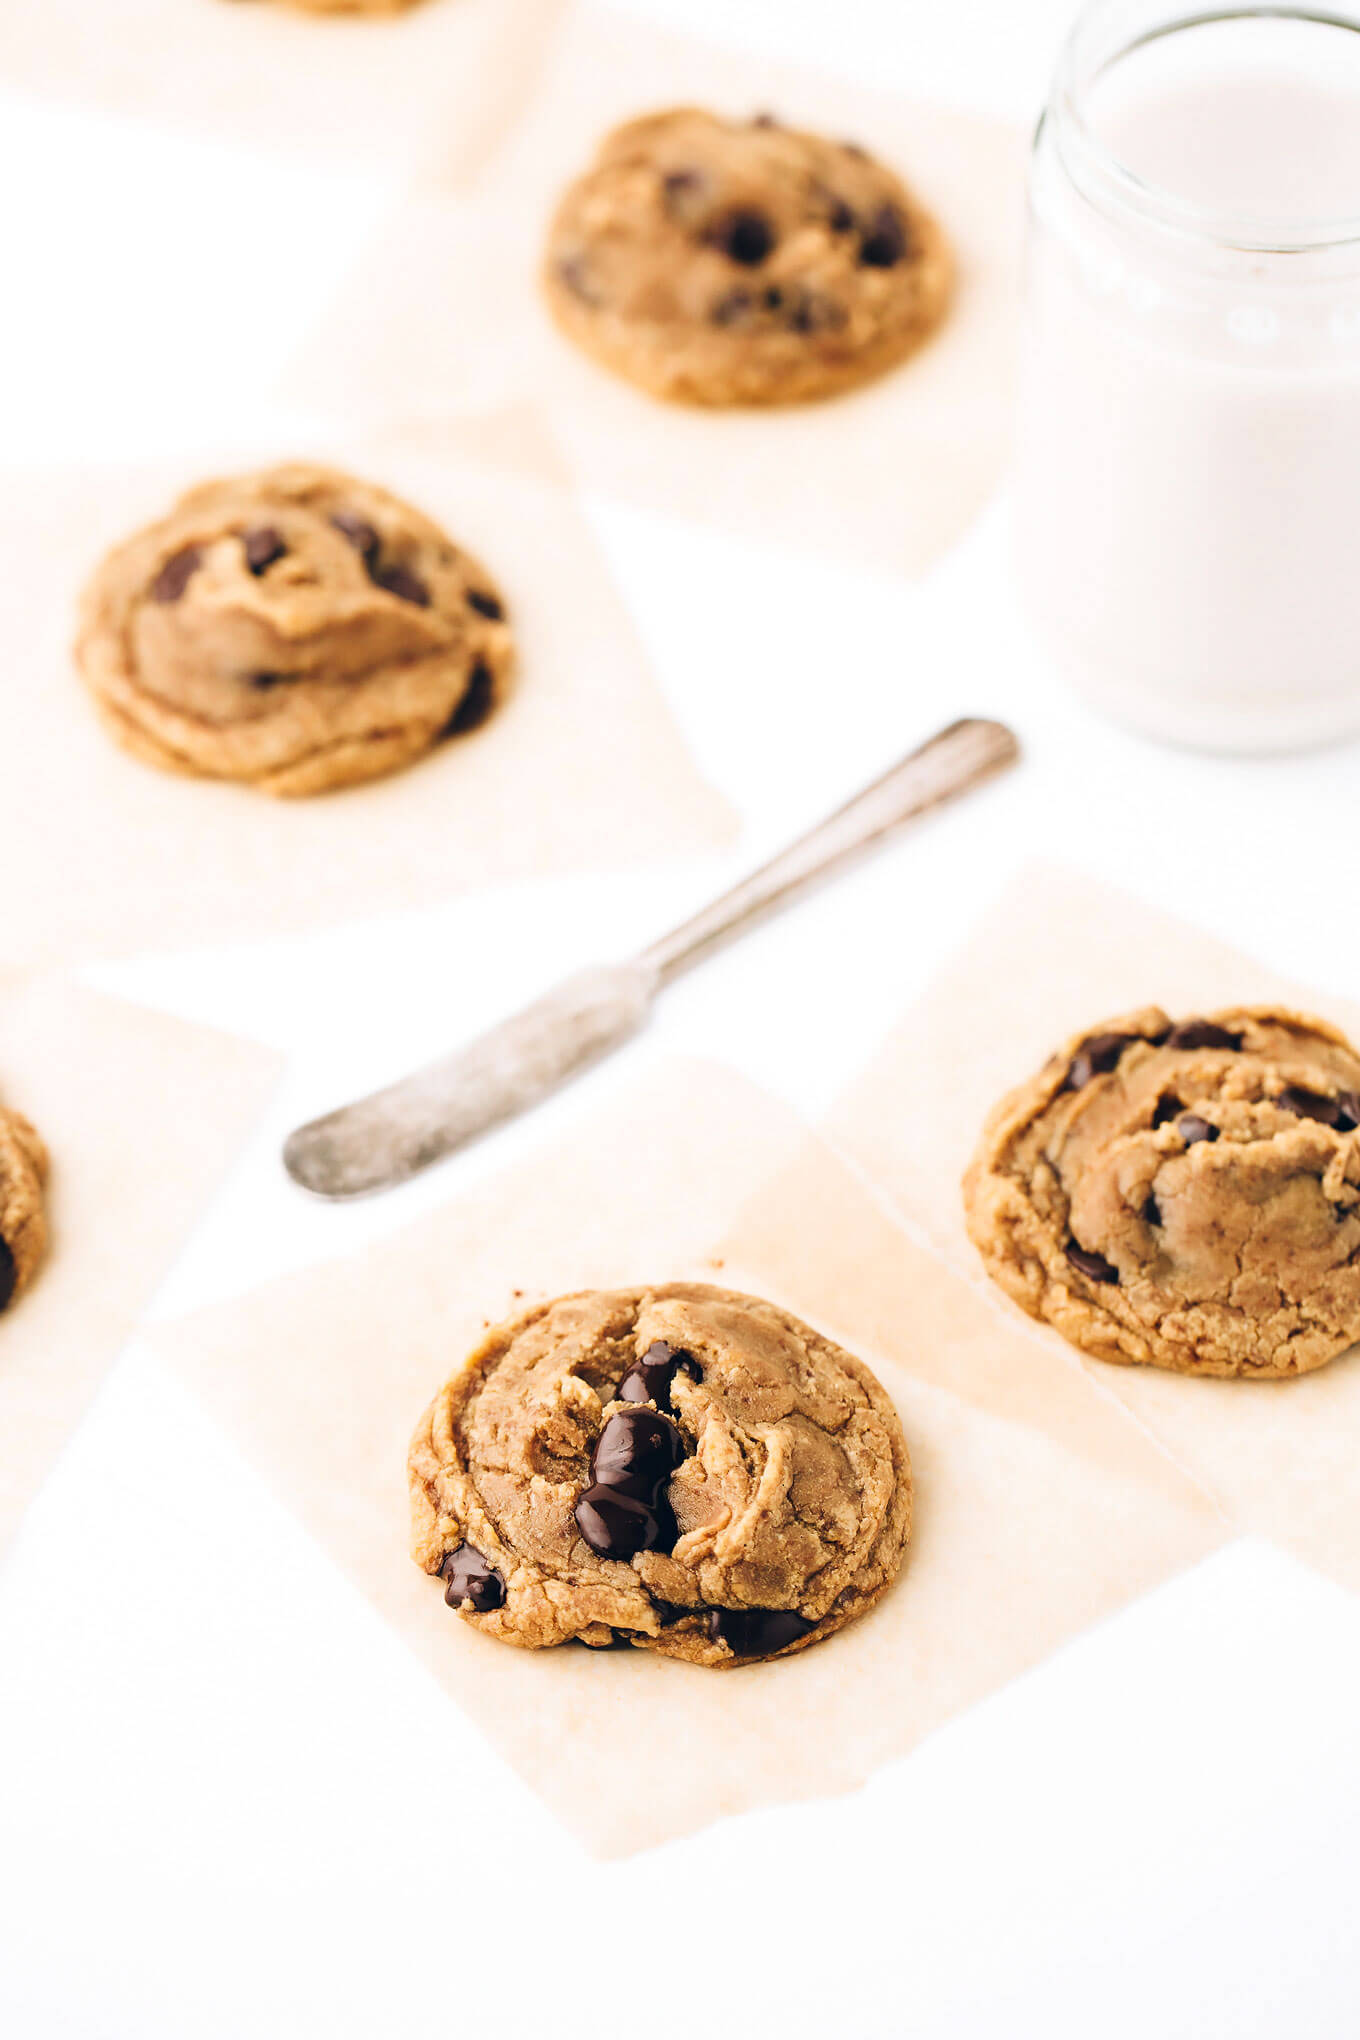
<point>432,91</point>
<point>142,1115</point>
<point>1039,1506</point>
<point>582,767</point>
<point>1059,951</point>
<point>444,312</point>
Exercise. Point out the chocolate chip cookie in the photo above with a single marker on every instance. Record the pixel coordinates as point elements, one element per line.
<point>741,262</point>
<point>23,1218</point>
<point>683,1469</point>
<point>296,630</point>
<point>1183,1194</point>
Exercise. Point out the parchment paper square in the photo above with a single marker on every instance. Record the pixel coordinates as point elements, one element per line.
<point>141,1115</point>
<point>443,313</point>
<point>1057,953</point>
<point>581,768</point>
<point>433,90</point>
<point>1039,1506</point>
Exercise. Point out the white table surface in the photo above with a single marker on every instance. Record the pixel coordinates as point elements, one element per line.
<point>230,1803</point>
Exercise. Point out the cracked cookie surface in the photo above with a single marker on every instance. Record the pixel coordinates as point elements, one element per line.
<point>296,630</point>
<point>23,1216</point>
<point>684,1469</point>
<point>1183,1194</point>
<point>742,262</point>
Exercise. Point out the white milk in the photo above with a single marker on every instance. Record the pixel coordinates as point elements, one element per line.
<point>1188,514</point>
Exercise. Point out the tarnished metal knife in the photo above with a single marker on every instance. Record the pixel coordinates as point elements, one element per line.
<point>382,1140</point>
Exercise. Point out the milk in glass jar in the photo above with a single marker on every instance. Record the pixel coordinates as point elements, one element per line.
<point>1188,510</point>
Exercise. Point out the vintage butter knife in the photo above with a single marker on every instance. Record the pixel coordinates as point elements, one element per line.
<point>381,1140</point>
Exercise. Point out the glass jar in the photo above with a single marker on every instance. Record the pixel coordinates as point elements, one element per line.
<point>1188,481</point>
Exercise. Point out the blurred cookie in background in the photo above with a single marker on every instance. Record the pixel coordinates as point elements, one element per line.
<point>726,262</point>
<point>296,630</point>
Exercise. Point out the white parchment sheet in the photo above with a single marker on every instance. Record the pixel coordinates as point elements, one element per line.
<point>1039,1506</point>
<point>434,89</point>
<point>141,1115</point>
<point>444,314</point>
<point>1058,954</point>
<point>581,768</point>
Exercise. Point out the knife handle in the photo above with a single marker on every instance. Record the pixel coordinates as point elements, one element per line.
<point>958,758</point>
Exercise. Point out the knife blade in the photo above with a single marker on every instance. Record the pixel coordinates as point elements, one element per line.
<point>383,1139</point>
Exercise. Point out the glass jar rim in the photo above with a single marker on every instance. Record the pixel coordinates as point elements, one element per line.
<point>1105,179</point>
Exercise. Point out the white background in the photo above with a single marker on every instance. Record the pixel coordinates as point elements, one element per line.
<point>229,1802</point>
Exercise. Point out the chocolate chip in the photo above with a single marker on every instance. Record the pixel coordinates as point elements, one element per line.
<point>264,681</point>
<point>745,236</point>
<point>1167,1106</point>
<point>670,1612</point>
<point>884,242</point>
<point>1152,1212</point>
<point>476,704</point>
<point>1093,1266</point>
<point>1342,1113</point>
<point>473,1579</point>
<point>1096,1058</point>
<point>359,532</point>
<point>772,298</point>
<point>756,1632</point>
<point>9,1274</point>
<point>402,583</point>
<point>175,576</point>
<point>624,1511</point>
<point>649,1379</point>
<point>1202,1034</point>
<point>262,547</point>
<point>841,217</point>
<point>1192,1128</point>
<point>616,1525</point>
<point>485,605</point>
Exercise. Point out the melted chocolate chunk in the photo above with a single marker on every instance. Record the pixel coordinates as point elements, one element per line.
<point>670,1612</point>
<point>649,1379</point>
<point>1093,1266</point>
<point>885,239</point>
<point>262,547</point>
<point>175,576</point>
<point>475,706</point>
<point>359,532</point>
<point>1202,1034</point>
<point>1341,1112</point>
<point>401,582</point>
<point>624,1511</point>
<point>485,605</point>
<point>9,1274</point>
<point>1192,1128</point>
<point>744,236</point>
<point>473,1579</point>
<point>1167,1106</point>
<point>756,1632</point>
<point>1096,1058</point>
<point>1152,1212</point>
